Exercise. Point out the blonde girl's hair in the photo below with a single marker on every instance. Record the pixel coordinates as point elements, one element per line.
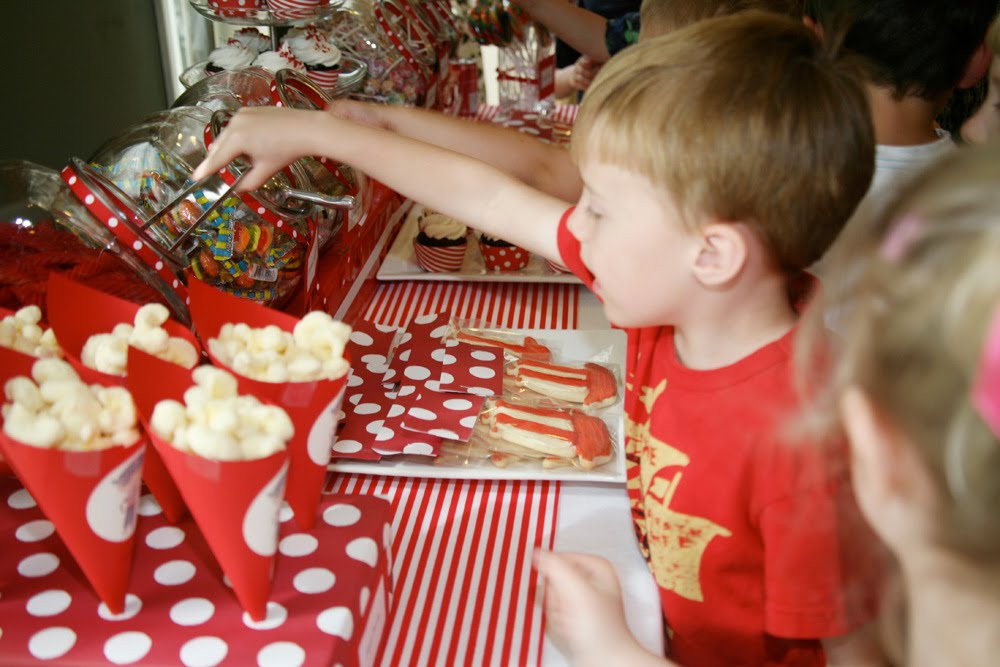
<point>743,118</point>
<point>921,288</point>
<point>659,17</point>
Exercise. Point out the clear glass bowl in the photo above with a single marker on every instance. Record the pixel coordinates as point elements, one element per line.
<point>252,245</point>
<point>46,228</point>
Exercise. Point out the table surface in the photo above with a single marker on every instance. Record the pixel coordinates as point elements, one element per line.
<point>462,549</point>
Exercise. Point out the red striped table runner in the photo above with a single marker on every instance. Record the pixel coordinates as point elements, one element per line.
<point>461,551</point>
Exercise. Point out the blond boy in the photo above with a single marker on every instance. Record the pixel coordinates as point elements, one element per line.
<point>717,162</point>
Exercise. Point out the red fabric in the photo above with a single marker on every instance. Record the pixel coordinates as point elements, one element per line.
<point>746,535</point>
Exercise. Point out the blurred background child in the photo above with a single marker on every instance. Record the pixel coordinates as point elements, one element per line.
<point>984,125</point>
<point>912,54</point>
<point>918,385</point>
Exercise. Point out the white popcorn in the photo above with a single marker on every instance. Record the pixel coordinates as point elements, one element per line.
<point>314,350</point>
<point>215,422</point>
<point>61,411</point>
<point>23,391</point>
<point>151,316</point>
<point>108,352</point>
<point>22,332</point>
<point>44,370</point>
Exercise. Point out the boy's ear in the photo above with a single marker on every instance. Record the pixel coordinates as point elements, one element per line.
<point>722,253</point>
<point>977,67</point>
<point>813,25</point>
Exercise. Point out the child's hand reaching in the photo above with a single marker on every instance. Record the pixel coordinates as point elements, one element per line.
<point>584,615</point>
<point>269,137</point>
<point>365,113</point>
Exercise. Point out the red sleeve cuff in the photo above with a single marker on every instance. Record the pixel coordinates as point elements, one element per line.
<point>569,250</point>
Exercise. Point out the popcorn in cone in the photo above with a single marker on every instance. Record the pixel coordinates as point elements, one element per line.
<point>313,406</point>
<point>78,312</point>
<point>89,496</point>
<point>234,502</point>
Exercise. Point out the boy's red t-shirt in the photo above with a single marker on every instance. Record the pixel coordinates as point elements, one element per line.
<point>756,544</point>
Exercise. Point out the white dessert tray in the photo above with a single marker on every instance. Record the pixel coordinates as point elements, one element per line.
<point>606,346</point>
<point>401,263</point>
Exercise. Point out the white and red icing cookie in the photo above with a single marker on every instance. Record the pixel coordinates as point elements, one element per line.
<point>529,348</point>
<point>591,385</point>
<point>563,434</point>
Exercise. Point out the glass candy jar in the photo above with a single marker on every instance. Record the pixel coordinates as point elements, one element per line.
<point>44,227</point>
<point>252,244</point>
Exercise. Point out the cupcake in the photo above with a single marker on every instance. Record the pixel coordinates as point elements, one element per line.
<point>501,256</point>
<point>254,39</point>
<point>232,55</point>
<point>321,58</point>
<point>280,59</point>
<point>440,245</point>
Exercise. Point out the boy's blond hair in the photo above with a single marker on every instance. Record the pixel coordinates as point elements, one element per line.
<point>925,289</point>
<point>743,119</point>
<point>659,17</point>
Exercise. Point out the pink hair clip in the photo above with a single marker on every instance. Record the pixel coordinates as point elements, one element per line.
<point>986,389</point>
<point>899,237</point>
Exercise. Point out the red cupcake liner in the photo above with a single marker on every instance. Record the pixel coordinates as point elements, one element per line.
<point>235,8</point>
<point>556,266</point>
<point>504,258</point>
<point>326,78</point>
<point>440,259</point>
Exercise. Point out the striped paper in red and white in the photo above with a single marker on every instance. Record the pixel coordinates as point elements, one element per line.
<point>461,552</point>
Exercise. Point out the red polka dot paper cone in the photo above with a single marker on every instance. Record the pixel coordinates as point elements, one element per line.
<point>234,503</point>
<point>500,256</point>
<point>76,313</point>
<point>439,259</point>
<point>90,498</point>
<point>313,407</point>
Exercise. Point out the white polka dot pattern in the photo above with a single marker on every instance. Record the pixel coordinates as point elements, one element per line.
<point>190,617</point>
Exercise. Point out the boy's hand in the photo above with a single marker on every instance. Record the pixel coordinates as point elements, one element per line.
<point>269,137</point>
<point>584,615</point>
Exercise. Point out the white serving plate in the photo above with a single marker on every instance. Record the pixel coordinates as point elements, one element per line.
<point>401,263</point>
<point>606,346</point>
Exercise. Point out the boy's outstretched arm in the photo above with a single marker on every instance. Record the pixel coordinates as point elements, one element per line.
<point>583,30</point>
<point>545,167</point>
<point>457,185</point>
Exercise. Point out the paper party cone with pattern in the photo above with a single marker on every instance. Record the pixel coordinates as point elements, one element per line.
<point>90,498</point>
<point>314,407</point>
<point>76,313</point>
<point>234,503</point>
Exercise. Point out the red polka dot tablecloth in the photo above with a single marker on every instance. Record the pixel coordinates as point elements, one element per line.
<point>329,602</point>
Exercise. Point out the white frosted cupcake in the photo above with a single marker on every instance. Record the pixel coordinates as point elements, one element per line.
<point>321,58</point>
<point>232,55</point>
<point>254,39</point>
<point>280,59</point>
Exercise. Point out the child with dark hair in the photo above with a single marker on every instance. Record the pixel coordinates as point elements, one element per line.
<point>912,54</point>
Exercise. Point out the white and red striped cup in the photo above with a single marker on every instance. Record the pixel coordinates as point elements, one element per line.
<point>293,9</point>
<point>440,259</point>
<point>324,78</point>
